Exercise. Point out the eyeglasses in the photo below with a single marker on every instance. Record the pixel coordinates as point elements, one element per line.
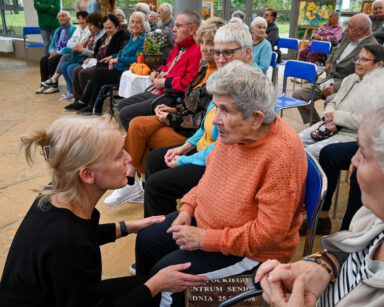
<point>362,60</point>
<point>179,25</point>
<point>227,53</point>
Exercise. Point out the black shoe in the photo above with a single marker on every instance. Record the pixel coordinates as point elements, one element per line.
<point>75,106</point>
<point>324,227</point>
<point>87,111</point>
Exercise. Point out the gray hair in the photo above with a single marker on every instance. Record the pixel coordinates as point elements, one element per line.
<point>373,111</point>
<point>143,18</point>
<point>238,12</point>
<point>258,20</point>
<point>234,32</point>
<point>337,13</point>
<point>250,90</point>
<point>168,7</point>
<point>121,12</point>
<point>143,7</point>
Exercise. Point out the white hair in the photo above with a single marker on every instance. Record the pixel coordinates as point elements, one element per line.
<point>168,7</point>
<point>143,7</point>
<point>143,18</point>
<point>66,12</point>
<point>234,32</point>
<point>372,111</point>
<point>238,12</point>
<point>258,20</point>
<point>250,90</point>
<point>377,1</point>
<point>236,20</point>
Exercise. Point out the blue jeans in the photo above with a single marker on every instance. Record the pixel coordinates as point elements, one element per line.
<point>67,71</point>
<point>47,36</point>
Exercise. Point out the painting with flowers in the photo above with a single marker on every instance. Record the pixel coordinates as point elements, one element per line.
<point>314,13</point>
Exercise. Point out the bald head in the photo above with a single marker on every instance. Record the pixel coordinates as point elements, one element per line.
<point>359,26</point>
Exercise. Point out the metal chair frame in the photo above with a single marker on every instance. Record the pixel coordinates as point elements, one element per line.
<point>313,195</point>
<point>30,31</point>
<point>302,70</point>
<point>106,91</point>
<point>273,65</point>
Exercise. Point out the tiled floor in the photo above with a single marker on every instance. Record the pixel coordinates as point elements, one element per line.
<point>21,111</point>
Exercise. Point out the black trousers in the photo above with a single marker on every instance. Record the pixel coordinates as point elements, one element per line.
<point>165,185</point>
<point>100,77</point>
<point>141,105</point>
<point>48,66</point>
<point>333,159</point>
<point>156,249</point>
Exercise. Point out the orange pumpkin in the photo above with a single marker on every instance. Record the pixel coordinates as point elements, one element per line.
<point>142,69</point>
<point>140,58</point>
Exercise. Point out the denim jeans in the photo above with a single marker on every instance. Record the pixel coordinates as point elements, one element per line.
<point>67,71</point>
<point>47,35</point>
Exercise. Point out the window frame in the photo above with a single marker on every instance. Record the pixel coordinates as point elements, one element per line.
<point>7,7</point>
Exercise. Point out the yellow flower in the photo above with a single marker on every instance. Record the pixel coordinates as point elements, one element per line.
<point>311,6</point>
<point>312,17</point>
<point>330,7</point>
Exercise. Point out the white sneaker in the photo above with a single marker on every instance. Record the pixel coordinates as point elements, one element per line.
<point>130,193</point>
<point>51,90</point>
<point>40,90</point>
<point>67,97</point>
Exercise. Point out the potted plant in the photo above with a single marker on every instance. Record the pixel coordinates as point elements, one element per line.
<point>152,45</point>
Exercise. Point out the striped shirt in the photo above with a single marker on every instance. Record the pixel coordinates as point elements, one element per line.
<point>355,269</point>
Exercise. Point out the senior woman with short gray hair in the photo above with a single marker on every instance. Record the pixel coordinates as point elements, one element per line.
<point>262,49</point>
<point>246,207</point>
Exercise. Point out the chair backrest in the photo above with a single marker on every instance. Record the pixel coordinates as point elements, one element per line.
<point>316,188</point>
<point>31,30</point>
<point>320,46</point>
<point>289,43</point>
<point>273,60</point>
<point>302,70</point>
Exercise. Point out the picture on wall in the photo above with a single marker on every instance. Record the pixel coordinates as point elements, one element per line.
<point>207,9</point>
<point>314,13</point>
<point>366,7</point>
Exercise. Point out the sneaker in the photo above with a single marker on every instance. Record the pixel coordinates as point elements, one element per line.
<point>130,193</point>
<point>49,82</point>
<point>324,227</point>
<point>51,90</point>
<point>87,111</point>
<point>132,268</point>
<point>67,97</point>
<point>74,106</point>
<point>40,90</point>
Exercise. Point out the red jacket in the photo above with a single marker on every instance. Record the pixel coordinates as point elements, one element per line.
<point>185,69</point>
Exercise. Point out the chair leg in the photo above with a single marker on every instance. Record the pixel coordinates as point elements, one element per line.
<point>336,199</point>
<point>26,57</point>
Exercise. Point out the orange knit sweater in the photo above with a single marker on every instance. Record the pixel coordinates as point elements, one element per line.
<point>250,195</point>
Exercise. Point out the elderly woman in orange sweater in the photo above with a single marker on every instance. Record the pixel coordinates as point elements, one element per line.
<point>246,207</point>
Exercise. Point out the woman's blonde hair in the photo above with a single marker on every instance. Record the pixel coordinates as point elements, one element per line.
<point>68,145</point>
<point>209,27</point>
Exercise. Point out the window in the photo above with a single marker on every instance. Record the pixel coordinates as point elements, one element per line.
<point>12,19</point>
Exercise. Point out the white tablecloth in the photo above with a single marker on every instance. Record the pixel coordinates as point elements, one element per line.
<point>132,84</point>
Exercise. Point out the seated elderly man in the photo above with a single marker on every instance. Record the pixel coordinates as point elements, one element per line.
<point>377,19</point>
<point>182,66</point>
<point>272,32</point>
<point>153,19</point>
<point>331,32</point>
<point>339,64</point>
<point>246,207</point>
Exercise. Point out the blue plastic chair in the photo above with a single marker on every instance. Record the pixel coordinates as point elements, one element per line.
<point>302,70</point>
<point>273,65</point>
<point>319,46</point>
<point>30,31</point>
<point>289,43</point>
<point>316,189</point>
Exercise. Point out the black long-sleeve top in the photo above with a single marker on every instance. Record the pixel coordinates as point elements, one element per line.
<point>55,260</point>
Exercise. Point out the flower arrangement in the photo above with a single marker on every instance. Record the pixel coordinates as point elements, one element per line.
<point>155,41</point>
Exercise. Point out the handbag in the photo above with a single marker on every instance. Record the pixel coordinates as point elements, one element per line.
<point>322,133</point>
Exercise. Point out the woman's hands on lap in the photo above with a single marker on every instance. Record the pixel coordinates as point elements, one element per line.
<point>273,275</point>
<point>173,154</point>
